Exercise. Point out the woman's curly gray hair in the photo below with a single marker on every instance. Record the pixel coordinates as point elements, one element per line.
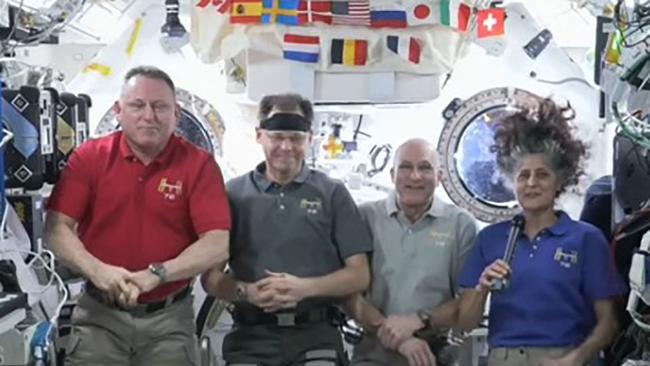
<point>543,128</point>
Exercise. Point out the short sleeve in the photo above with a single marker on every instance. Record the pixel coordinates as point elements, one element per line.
<point>600,278</point>
<point>350,233</point>
<point>73,191</point>
<point>467,232</point>
<point>209,207</point>
<point>474,264</point>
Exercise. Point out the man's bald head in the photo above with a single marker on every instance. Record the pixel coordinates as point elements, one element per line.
<point>150,72</point>
<point>415,175</point>
<point>421,147</point>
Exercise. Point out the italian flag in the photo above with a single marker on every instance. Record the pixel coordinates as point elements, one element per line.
<point>455,14</point>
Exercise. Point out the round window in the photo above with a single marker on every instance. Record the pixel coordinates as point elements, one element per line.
<point>470,175</point>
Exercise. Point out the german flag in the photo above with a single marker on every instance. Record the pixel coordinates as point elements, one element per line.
<point>349,52</point>
<point>246,12</point>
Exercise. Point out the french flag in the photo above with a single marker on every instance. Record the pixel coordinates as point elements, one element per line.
<point>301,48</point>
<point>406,47</point>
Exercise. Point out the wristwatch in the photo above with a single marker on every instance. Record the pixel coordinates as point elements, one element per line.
<point>241,294</point>
<point>159,270</point>
<point>425,318</point>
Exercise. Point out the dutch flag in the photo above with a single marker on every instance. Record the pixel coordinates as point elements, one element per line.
<point>301,48</point>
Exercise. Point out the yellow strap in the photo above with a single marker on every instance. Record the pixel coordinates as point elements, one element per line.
<point>134,37</point>
<point>98,68</point>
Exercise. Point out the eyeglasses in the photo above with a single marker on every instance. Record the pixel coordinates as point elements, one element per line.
<point>295,138</point>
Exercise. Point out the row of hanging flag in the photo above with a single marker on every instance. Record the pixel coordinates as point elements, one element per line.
<point>348,52</point>
<point>452,13</point>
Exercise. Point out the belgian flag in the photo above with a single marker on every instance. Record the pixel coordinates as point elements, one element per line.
<point>349,52</point>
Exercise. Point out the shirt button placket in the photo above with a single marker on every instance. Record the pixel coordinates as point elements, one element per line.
<point>534,248</point>
<point>411,245</point>
<point>282,201</point>
<point>140,200</point>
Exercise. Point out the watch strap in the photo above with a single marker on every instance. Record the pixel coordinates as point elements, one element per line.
<point>425,318</point>
<point>159,270</point>
<point>241,293</point>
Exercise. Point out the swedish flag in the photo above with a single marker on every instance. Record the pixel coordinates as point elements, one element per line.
<point>280,11</point>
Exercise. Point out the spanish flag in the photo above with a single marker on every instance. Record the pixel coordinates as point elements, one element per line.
<point>246,12</point>
<point>349,52</point>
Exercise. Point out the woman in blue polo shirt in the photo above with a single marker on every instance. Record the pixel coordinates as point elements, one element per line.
<point>558,306</point>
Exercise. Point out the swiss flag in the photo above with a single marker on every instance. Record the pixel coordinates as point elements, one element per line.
<point>491,22</point>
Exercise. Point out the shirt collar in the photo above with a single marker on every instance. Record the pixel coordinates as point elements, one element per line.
<point>562,225</point>
<point>162,158</point>
<point>435,210</point>
<point>260,179</point>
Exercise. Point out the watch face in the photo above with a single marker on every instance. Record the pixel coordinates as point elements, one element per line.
<point>159,270</point>
<point>424,317</point>
<point>240,292</point>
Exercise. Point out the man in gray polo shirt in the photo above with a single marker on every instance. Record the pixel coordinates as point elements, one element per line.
<point>298,245</point>
<point>420,246</point>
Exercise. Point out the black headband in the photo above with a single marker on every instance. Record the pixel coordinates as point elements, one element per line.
<point>286,122</point>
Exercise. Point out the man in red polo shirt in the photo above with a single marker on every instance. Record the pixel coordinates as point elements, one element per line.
<point>138,213</point>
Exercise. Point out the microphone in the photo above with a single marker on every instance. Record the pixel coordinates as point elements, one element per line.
<point>500,284</point>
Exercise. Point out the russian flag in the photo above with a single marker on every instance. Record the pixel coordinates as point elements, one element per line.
<point>301,48</point>
<point>388,18</point>
<point>406,47</point>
